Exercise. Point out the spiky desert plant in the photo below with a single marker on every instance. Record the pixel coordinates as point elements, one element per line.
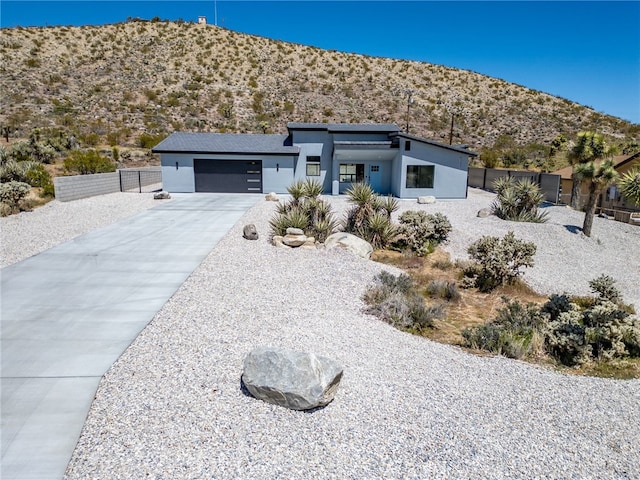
<point>297,190</point>
<point>380,231</point>
<point>629,185</point>
<point>517,200</point>
<point>389,204</point>
<point>312,188</point>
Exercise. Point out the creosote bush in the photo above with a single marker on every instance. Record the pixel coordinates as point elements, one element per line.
<point>497,261</point>
<point>395,300</point>
<point>306,211</point>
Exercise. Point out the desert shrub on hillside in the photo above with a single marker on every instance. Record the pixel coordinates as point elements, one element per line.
<point>497,261</point>
<point>518,200</point>
<point>88,162</point>
<point>421,232</point>
<point>306,211</point>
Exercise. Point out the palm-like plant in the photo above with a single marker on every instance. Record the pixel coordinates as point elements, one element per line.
<point>599,176</point>
<point>589,147</point>
<point>629,185</point>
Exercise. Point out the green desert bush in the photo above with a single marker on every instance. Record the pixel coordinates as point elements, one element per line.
<point>395,300</point>
<point>498,260</point>
<point>420,232</point>
<point>571,333</point>
<point>517,200</point>
<point>443,289</point>
<point>88,162</point>
<point>516,332</point>
<point>306,211</point>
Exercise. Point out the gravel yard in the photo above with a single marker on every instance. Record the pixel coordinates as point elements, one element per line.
<point>171,407</point>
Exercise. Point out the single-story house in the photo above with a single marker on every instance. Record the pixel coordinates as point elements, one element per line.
<point>611,201</point>
<point>336,155</point>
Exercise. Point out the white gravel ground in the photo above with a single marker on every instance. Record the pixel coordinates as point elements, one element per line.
<point>407,408</point>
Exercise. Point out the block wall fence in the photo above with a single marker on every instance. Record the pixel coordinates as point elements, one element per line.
<point>83,186</point>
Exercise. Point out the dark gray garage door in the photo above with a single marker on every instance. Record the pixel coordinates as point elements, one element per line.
<point>228,176</point>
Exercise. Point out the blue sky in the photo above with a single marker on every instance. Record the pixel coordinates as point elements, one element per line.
<point>588,52</point>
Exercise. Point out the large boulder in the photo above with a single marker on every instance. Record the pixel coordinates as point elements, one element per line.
<point>271,197</point>
<point>427,199</point>
<point>349,242</point>
<point>292,240</point>
<point>484,212</point>
<point>163,195</point>
<point>295,380</point>
<point>249,232</point>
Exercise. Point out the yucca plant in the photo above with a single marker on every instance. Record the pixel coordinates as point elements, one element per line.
<point>312,188</point>
<point>389,204</point>
<point>380,231</point>
<point>629,185</point>
<point>517,200</point>
<point>306,210</point>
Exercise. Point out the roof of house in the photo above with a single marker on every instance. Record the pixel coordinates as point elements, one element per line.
<point>457,148</point>
<point>248,143</point>
<point>618,161</point>
<point>345,127</point>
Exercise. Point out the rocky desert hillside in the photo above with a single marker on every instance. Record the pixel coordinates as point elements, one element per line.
<point>114,83</point>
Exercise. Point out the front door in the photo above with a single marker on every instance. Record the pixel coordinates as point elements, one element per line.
<point>375,180</point>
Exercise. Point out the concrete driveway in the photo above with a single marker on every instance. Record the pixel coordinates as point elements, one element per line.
<point>69,313</point>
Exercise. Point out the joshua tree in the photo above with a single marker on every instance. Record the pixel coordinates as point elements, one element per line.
<point>590,146</point>
<point>599,177</point>
<point>629,185</point>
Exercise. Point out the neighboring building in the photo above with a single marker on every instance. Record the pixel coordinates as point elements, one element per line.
<point>336,155</point>
<point>611,201</point>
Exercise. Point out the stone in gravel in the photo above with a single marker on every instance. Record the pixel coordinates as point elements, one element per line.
<point>292,240</point>
<point>428,199</point>
<point>295,380</point>
<point>277,241</point>
<point>250,232</point>
<point>349,242</point>
<point>294,231</point>
<point>271,197</point>
<point>161,195</point>
<point>484,212</point>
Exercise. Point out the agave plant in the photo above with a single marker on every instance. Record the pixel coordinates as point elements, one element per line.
<point>380,231</point>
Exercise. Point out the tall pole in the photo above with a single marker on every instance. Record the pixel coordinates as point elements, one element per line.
<point>215,12</point>
<point>451,130</point>
<point>409,102</point>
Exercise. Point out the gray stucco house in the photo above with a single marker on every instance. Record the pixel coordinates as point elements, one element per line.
<point>335,154</point>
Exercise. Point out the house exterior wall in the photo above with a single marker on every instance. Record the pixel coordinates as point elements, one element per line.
<point>450,172</point>
<point>277,170</point>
